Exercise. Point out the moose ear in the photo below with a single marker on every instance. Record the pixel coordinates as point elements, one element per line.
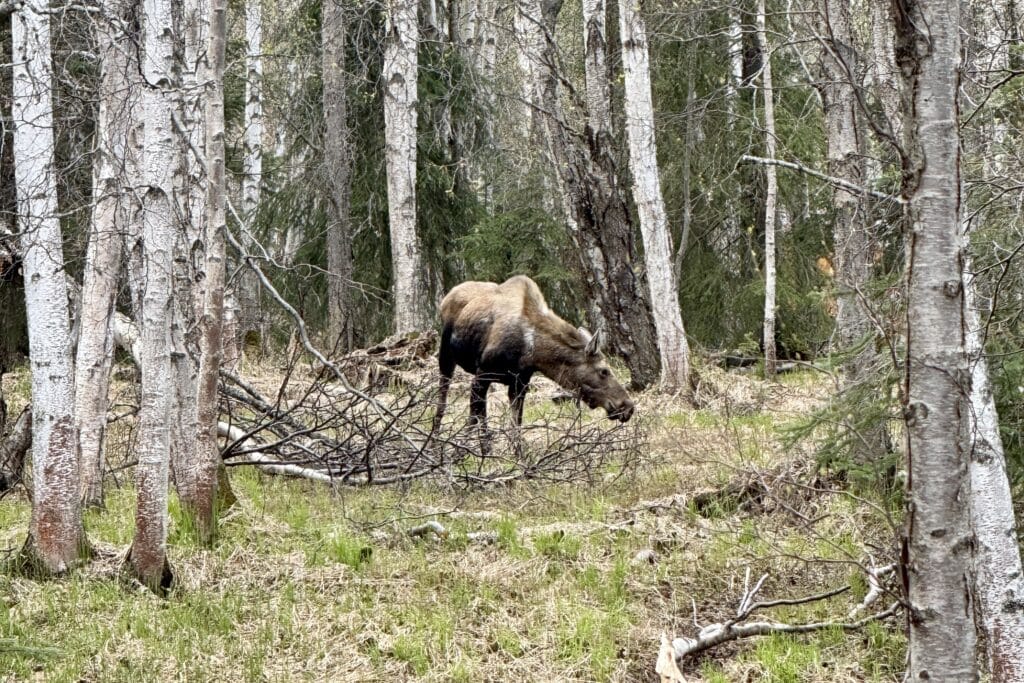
<point>593,347</point>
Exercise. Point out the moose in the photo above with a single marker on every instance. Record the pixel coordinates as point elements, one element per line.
<point>505,333</point>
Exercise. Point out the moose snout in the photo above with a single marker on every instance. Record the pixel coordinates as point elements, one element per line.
<point>623,411</point>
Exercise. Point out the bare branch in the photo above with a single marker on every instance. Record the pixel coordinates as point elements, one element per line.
<point>837,182</point>
<point>716,634</point>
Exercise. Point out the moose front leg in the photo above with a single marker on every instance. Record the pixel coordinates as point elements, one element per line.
<point>478,411</point>
<point>517,398</point>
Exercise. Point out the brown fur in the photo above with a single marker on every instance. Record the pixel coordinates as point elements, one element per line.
<point>504,333</point>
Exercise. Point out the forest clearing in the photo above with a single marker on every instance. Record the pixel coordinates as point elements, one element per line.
<point>310,583</point>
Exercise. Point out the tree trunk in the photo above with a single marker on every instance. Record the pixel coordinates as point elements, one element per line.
<point>688,147</point>
<point>852,244</point>
<point>595,48</point>
<point>407,266</point>
<point>55,533</point>
<point>252,141</point>
<point>728,242</point>
<point>939,540</point>
<point>243,314</point>
<point>95,350</point>
<point>599,218</point>
<point>190,254</point>
<point>202,499</point>
<point>338,178</point>
<point>771,196</point>
<point>643,159</point>
<point>998,576</point>
<point>883,67</point>
<point>148,555</point>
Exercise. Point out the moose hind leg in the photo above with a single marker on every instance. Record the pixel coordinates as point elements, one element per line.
<point>478,411</point>
<point>446,366</point>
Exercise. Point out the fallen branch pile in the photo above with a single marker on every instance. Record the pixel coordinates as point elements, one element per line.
<point>324,431</point>
<point>328,430</point>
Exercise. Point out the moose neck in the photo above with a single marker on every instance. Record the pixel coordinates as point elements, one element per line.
<point>556,360</point>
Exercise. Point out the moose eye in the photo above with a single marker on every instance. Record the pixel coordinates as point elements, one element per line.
<point>605,373</point>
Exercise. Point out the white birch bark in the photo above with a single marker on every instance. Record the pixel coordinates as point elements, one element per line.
<point>851,240</point>
<point>643,159</point>
<point>104,251</point>
<point>998,575</point>
<point>202,503</point>
<point>734,38</point>
<point>728,241</point>
<point>593,202</point>
<point>883,67</point>
<point>252,140</point>
<point>55,532</point>
<point>771,196</point>
<point>160,99</point>
<point>190,279</point>
<point>939,538</point>
<point>529,31</point>
<point>400,77</point>
<point>247,295</point>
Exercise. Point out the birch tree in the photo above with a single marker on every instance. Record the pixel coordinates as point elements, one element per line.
<point>338,177</point>
<point>104,251</point>
<point>242,295</point>
<point>202,498</point>
<point>729,238</point>
<point>998,576</point>
<point>55,537</point>
<point>852,262</point>
<point>148,555</point>
<point>400,78</point>
<point>597,213</point>
<point>190,250</point>
<point>643,159</point>
<point>771,196</point>
<point>883,67</point>
<point>939,538</point>
<point>252,139</point>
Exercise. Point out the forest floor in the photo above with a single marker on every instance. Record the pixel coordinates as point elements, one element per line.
<point>309,584</point>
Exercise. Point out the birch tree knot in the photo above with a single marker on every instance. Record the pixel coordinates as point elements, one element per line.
<point>914,412</point>
<point>951,288</point>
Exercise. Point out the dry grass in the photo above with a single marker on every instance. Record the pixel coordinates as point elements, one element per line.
<point>306,584</point>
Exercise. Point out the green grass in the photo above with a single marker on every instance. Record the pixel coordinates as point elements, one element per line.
<point>305,584</point>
